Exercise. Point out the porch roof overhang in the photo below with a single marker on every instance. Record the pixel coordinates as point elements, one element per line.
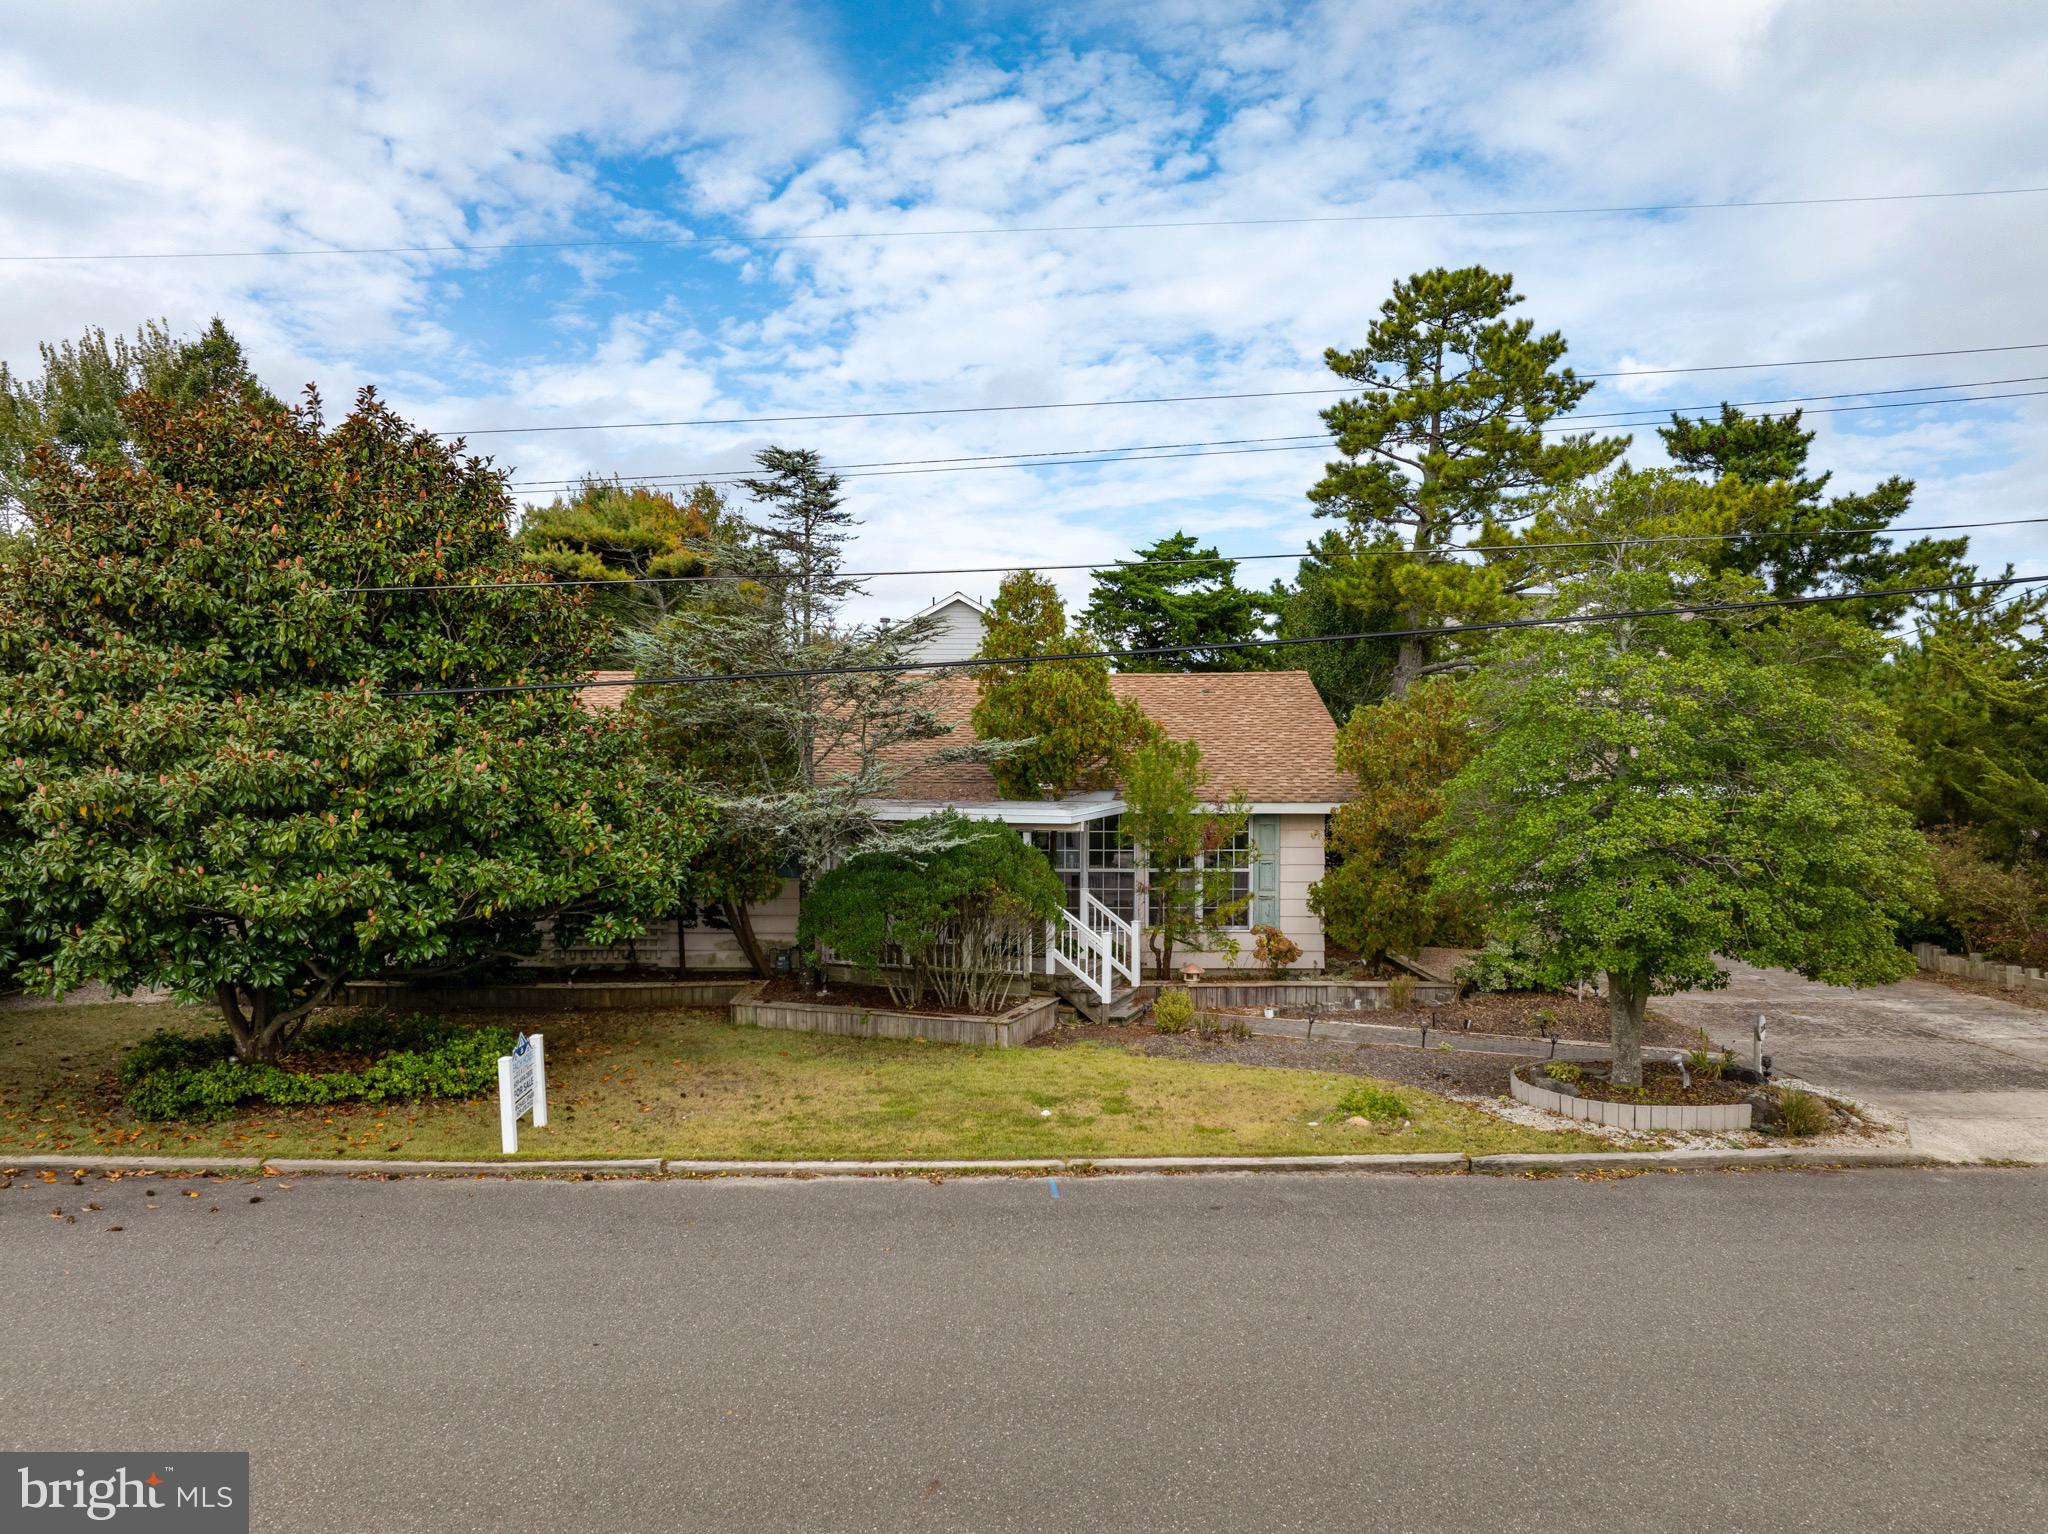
<point>1075,810</point>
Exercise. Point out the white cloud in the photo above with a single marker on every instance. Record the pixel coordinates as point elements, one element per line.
<point>406,126</point>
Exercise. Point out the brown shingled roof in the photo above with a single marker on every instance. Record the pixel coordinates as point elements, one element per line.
<point>1264,734</point>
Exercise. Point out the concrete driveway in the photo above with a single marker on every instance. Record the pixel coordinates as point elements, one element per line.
<point>1969,1073</point>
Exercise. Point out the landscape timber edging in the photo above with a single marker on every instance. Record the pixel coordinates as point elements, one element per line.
<point>546,995</point>
<point>1326,995</point>
<point>1006,1030</point>
<point>1713,1118</point>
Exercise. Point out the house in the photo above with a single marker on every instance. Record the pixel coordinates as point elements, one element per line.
<point>1266,738</point>
<point>958,619</point>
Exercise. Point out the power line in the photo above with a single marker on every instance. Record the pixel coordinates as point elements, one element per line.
<point>970,231</point>
<point>729,475</point>
<point>1686,610</point>
<point>1647,417</point>
<point>1219,559</point>
<point>1188,399</point>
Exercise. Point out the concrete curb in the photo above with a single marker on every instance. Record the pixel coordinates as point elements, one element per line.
<point>1411,1162</point>
<point>133,1163</point>
<point>1709,1160</point>
<point>644,1166</point>
<point>854,1168</point>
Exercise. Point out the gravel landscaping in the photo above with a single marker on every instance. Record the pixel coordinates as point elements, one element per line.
<point>1455,1072</point>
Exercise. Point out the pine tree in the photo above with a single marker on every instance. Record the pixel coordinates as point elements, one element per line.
<point>1176,593</point>
<point>1446,440</point>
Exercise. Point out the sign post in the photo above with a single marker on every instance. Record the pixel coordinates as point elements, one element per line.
<point>522,1089</point>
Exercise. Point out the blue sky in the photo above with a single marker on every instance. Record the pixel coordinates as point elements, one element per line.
<point>213,126</point>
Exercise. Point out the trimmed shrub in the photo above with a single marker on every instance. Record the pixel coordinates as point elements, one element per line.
<point>954,921</point>
<point>1506,966</point>
<point>179,1076</point>
<point>1174,1011</point>
<point>1366,1101</point>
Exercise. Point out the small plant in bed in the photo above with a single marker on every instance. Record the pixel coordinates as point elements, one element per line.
<point>369,1059</point>
<point>1370,1102</point>
<point>1664,1085</point>
<point>1801,1113</point>
<point>1174,1011</point>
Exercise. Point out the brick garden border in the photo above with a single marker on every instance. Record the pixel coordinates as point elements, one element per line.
<point>1714,1118</point>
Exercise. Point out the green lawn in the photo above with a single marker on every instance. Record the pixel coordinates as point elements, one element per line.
<point>689,1084</point>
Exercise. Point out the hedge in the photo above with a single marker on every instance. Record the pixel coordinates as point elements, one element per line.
<point>171,1075</point>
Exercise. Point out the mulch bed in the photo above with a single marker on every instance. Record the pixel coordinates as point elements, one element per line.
<point>1663,1086</point>
<point>873,998</point>
<point>1434,1070</point>
<point>1522,1014</point>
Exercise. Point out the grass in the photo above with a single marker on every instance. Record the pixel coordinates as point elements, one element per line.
<point>689,1084</point>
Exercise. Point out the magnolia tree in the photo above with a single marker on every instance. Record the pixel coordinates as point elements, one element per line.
<point>1655,795</point>
<point>206,783</point>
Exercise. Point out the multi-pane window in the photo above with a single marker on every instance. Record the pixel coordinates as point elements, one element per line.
<point>1062,849</point>
<point>1112,866</point>
<point>1233,902</point>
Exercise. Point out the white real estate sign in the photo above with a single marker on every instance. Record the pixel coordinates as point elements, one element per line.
<point>522,1089</point>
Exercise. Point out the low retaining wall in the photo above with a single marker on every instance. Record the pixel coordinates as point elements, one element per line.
<point>2013,977</point>
<point>1323,995</point>
<point>1719,1118</point>
<point>546,995</point>
<point>1006,1030</point>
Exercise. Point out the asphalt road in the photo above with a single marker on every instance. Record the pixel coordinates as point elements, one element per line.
<point>1968,1073</point>
<point>1764,1351</point>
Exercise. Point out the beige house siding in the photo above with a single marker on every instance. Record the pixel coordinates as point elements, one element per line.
<point>1301,864</point>
<point>958,634</point>
<point>704,948</point>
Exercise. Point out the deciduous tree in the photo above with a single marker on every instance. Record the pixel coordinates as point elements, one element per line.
<point>204,783</point>
<point>1187,894</point>
<point>1063,728</point>
<point>1382,896</point>
<point>1656,794</point>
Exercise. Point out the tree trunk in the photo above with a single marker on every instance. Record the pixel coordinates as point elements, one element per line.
<point>257,1032</point>
<point>741,920</point>
<point>1627,995</point>
<point>1408,662</point>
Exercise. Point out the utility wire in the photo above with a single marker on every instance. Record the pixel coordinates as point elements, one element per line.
<point>1684,610</point>
<point>700,475</point>
<point>721,238</point>
<point>1217,559</point>
<point>1187,399</point>
<point>729,477</point>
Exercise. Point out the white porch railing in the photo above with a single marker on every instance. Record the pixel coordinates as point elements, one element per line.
<point>1122,935</point>
<point>1095,947</point>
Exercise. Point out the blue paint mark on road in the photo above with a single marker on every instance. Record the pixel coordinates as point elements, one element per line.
<point>1055,1184</point>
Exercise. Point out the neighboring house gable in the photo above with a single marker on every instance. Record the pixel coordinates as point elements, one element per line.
<point>959,627</point>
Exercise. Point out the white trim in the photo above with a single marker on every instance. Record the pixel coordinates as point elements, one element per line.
<point>947,601</point>
<point>1048,814</point>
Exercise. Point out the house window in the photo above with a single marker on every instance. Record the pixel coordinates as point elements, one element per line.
<point>1237,856</point>
<point>1112,866</point>
<point>1062,849</point>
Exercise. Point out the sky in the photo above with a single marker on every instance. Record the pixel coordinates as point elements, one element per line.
<point>790,161</point>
